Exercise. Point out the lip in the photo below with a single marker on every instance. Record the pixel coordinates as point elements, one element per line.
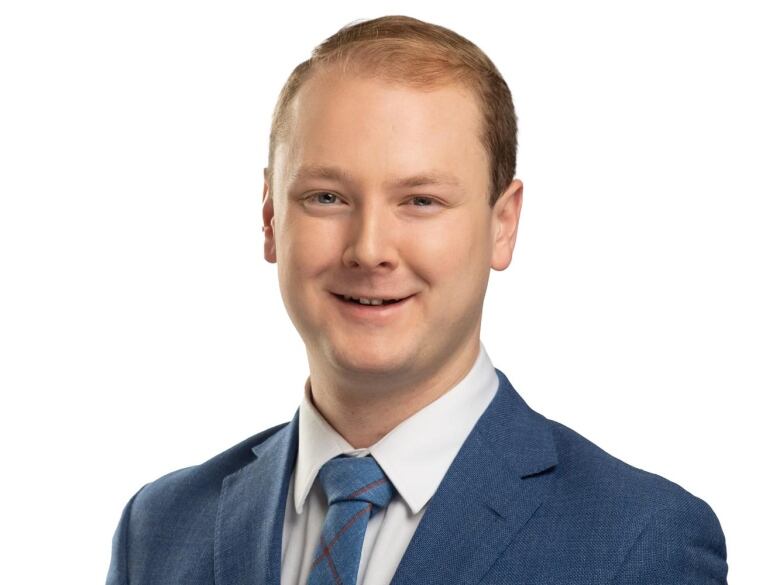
<point>374,313</point>
<point>369,295</point>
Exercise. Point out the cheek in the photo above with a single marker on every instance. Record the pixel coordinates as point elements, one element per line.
<point>449,252</point>
<point>304,249</point>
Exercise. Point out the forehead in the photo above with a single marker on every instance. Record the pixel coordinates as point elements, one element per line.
<point>363,124</point>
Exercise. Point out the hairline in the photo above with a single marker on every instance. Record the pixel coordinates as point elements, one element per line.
<point>355,69</point>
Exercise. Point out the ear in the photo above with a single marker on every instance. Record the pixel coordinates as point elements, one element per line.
<point>269,220</point>
<point>506,215</point>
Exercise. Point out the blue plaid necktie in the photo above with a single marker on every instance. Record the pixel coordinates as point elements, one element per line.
<point>356,488</point>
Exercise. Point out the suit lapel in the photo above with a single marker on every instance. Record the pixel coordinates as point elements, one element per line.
<point>248,539</point>
<point>490,491</point>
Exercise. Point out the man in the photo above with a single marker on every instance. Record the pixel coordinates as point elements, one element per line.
<point>388,198</point>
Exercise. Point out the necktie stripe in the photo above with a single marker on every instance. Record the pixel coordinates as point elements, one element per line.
<point>364,489</point>
<point>354,487</point>
<point>331,564</point>
<point>326,548</point>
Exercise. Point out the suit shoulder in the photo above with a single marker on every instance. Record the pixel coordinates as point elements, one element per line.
<point>642,511</point>
<point>591,472</point>
<point>653,529</point>
<point>197,484</point>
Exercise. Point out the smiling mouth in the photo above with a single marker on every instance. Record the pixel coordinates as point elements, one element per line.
<point>367,302</point>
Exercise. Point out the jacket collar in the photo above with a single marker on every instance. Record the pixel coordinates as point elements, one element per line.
<point>495,484</point>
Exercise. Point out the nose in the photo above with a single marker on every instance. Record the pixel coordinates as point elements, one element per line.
<point>370,244</point>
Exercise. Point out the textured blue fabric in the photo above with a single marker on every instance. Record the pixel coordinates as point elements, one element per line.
<point>526,500</point>
<point>356,488</point>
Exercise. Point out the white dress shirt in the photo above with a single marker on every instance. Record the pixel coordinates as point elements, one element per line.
<point>415,456</point>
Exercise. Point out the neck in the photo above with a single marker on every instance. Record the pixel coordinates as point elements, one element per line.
<point>364,408</point>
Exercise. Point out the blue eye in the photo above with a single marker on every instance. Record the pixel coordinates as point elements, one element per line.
<point>325,197</point>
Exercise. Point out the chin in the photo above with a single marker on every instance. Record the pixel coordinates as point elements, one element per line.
<point>369,359</point>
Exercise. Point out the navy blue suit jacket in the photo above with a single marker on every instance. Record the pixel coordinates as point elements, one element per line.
<point>526,500</point>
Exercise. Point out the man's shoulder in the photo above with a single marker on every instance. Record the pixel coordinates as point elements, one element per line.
<point>586,478</point>
<point>197,486</point>
<point>598,484</point>
<point>600,516</point>
<point>173,517</point>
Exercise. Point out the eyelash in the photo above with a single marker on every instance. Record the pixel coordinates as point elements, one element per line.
<point>314,196</point>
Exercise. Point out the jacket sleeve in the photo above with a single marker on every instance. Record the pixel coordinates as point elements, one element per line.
<point>118,568</point>
<point>677,546</point>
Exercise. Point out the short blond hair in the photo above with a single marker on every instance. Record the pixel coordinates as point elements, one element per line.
<point>419,54</point>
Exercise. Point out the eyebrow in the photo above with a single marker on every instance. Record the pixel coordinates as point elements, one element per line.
<point>338,174</point>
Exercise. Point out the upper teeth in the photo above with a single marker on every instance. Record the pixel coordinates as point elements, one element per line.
<point>367,301</point>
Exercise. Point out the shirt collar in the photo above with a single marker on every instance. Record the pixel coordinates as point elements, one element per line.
<point>416,454</point>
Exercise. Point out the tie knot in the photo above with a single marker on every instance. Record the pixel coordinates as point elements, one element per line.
<point>355,478</point>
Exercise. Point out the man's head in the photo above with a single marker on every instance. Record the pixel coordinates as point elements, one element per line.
<point>381,184</point>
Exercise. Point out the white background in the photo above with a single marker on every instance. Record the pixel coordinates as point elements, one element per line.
<point>141,331</point>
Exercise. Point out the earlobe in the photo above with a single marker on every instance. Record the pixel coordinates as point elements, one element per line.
<point>269,243</point>
<point>506,216</point>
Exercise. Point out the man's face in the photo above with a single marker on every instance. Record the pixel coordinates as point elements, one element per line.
<point>381,192</point>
